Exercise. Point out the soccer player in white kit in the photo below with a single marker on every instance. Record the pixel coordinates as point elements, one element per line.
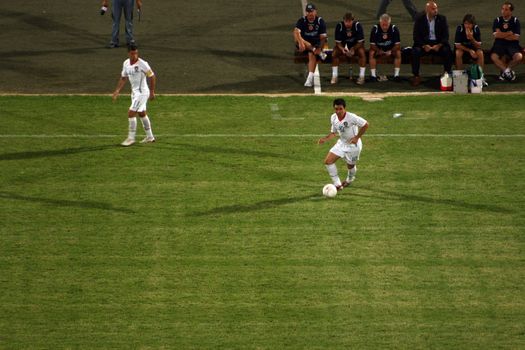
<point>350,127</point>
<point>137,71</point>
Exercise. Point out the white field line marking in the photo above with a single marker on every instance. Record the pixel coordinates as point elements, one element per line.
<point>96,136</point>
<point>317,81</point>
<point>276,114</point>
<point>303,6</point>
<point>373,99</point>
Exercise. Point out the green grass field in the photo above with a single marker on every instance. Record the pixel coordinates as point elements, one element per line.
<point>217,236</point>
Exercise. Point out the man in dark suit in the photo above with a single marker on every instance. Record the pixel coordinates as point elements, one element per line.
<point>430,38</point>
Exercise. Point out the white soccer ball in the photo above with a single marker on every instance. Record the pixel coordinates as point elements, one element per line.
<point>329,191</point>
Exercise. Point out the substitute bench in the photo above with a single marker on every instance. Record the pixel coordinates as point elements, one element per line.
<point>406,58</point>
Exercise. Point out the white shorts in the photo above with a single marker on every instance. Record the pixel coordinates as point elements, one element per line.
<point>138,102</point>
<point>349,152</point>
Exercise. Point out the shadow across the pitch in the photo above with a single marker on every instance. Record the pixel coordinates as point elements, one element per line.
<point>222,151</point>
<point>407,197</point>
<point>41,23</point>
<point>52,153</point>
<point>247,208</point>
<point>66,203</point>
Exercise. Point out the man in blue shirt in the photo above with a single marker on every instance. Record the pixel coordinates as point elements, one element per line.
<point>349,41</point>
<point>507,32</point>
<point>310,36</point>
<point>384,41</point>
<point>468,42</point>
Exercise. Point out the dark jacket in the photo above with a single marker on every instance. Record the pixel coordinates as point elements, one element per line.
<point>422,30</point>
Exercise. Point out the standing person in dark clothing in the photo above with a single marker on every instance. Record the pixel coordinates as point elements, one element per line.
<point>119,7</point>
<point>409,5</point>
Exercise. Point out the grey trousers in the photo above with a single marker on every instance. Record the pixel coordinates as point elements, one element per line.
<point>409,5</point>
<point>119,7</point>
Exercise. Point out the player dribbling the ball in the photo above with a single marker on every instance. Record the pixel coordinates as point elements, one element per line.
<point>138,72</point>
<point>350,128</point>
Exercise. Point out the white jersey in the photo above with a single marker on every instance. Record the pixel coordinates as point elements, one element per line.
<point>348,127</point>
<point>137,74</point>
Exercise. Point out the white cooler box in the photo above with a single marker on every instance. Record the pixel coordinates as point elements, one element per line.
<point>476,86</point>
<point>460,81</point>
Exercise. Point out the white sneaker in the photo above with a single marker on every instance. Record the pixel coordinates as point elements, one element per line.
<point>148,140</point>
<point>128,142</point>
<point>333,81</point>
<point>360,81</point>
<point>309,83</point>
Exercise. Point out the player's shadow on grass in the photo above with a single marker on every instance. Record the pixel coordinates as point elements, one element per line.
<point>397,196</point>
<point>52,153</point>
<point>65,203</point>
<point>246,208</point>
<point>227,150</point>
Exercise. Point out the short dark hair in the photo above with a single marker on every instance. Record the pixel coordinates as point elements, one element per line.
<point>132,47</point>
<point>469,19</point>
<point>348,16</point>
<point>510,5</point>
<point>339,102</point>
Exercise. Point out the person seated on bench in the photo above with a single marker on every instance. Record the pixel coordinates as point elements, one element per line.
<point>384,42</point>
<point>310,36</point>
<point>507,31</point>
<point>349,41</point>
<point>430,38</point>
<point>468,42</point>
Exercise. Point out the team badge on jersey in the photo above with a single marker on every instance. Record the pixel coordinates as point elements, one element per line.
<point>505,26</point>
<point>385,36</point>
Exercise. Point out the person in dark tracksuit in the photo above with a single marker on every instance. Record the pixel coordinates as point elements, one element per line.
<point>409,5</point>
<point>120,7</point>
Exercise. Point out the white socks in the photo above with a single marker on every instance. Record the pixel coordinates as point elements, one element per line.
<point>351,174</point>
<point>332,171</point>
<point>396,72</point>
<point>373,72</point>
<point>147,126</point>
<point>132,130</point>
<point>362,71</point>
